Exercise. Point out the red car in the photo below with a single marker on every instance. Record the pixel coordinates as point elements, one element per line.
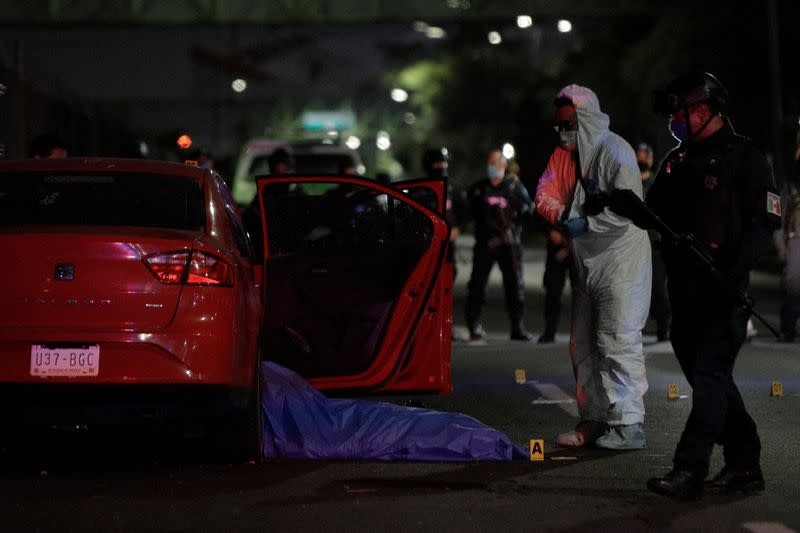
<point>132,284</point>
<point>126,283</point>
<point>357,283</point>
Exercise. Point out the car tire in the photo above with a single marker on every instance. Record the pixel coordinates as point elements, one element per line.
<point>238,436</point>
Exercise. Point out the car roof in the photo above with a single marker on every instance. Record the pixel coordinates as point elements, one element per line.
<point>104,164</point>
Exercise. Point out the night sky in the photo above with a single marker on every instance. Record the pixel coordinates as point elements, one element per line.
<point>153,81</point>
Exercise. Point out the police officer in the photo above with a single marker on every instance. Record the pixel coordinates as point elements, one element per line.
<point>497,204</point>
<point>556,269</point>
<point>718,187</point>
<point>280,161</point>
<point>436,162</point>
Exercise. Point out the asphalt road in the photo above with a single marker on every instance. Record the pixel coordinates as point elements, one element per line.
<point>120,483</point>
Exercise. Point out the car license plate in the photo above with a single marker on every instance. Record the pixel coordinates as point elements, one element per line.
<point>65,361</point>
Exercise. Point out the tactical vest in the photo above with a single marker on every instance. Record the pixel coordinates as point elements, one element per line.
<point>710,194</point>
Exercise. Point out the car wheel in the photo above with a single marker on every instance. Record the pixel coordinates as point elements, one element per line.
<point>239,435</point>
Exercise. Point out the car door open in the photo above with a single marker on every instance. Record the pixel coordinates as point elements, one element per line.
<point>351,271</point>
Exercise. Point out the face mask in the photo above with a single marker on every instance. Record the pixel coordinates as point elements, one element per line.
<point>568,138</point>
<point>643,166</point>
<point>679,129</point>
<point>494,172</point>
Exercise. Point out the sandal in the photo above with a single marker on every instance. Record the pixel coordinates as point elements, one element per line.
<point>584,434</point>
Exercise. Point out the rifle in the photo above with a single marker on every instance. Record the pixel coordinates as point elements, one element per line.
<point>626,203</point>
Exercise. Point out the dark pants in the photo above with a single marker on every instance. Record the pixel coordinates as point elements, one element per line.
<point>556,268</point>
<point>509,259</point>
<point>708,329</point>
<point>790,308</point>
<point>659,301</point>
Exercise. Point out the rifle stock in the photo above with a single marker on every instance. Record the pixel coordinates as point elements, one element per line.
<point>626,203</point>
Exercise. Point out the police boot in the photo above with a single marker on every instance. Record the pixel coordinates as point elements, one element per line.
<point>732,479</point>
<point>518,333</point>
<point>685,485</point>
<point>550,327</point>
<point>476,331</point>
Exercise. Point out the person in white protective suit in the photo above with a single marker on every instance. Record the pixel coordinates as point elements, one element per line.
<point>613,270</point>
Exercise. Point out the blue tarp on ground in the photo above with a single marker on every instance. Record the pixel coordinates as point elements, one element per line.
<point>300,422</point>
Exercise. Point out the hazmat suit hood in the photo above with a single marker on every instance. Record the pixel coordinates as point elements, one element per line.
<point>592,123</point>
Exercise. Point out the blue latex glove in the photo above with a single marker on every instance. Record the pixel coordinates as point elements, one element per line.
<point>575,227</point>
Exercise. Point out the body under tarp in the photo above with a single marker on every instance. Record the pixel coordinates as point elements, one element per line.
<point>301,423</point>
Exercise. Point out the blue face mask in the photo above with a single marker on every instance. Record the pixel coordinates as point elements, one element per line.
<point>494,172</point>
<point>679,129</point>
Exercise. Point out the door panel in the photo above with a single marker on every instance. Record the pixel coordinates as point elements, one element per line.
<point>351,267</point>
<point>429,360</point>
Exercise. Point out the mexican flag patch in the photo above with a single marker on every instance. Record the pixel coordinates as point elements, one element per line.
<point>773,204</point>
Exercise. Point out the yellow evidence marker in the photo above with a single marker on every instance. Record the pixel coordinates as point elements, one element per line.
<point>672,391</point>
<point>537,450</point>
<point>520,376</point>
<point>777,389</point>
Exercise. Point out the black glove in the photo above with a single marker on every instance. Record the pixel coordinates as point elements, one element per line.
<point>595,203</point>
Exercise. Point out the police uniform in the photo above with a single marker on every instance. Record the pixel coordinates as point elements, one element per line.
<point>454,214</point>
<point>497,211</point>
<point>721,191</point>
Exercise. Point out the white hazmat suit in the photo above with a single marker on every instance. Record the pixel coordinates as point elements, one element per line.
<point>611,290</point>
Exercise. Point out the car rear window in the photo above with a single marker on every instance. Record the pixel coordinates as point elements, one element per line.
<point>144,200</point>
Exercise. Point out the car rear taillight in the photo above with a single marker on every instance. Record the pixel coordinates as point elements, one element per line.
<point>190,268</point>
<point>205,269</point>
<point>168,267</point>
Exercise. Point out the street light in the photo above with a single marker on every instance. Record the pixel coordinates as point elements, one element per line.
<point>435,32</point>
<point>420,26</point>
<point>353,142</point>
<point>495,37</point>
<point>399,95</point>
<point>184,141</point>
<point>508,150</point>
<point>239,85</point>
<point>383,142</point>
<point>524,21</point>
<point>564,26</point>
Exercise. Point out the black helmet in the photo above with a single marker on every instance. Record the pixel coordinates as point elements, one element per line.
<point>280,155</point>
<point>433,156</point>
<point>691,88</point>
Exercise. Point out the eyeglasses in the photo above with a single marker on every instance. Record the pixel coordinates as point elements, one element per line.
<point>565,125</point>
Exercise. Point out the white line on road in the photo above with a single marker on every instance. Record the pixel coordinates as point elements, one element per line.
<point>554,395</point>
<point>767,527</point>
<point>542,401</point>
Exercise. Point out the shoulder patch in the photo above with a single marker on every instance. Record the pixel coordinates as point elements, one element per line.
<point>773,204</point>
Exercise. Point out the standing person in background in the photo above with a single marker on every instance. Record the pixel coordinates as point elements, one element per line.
<point>513,172</point>
<point>612,272</point>
<point>789,250</point>
<point>498,204</point>
<point>436,163</point>
<point>204,159</point>
<point>280,161</point>
<point>659,299</point>
<point>556,269</point>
